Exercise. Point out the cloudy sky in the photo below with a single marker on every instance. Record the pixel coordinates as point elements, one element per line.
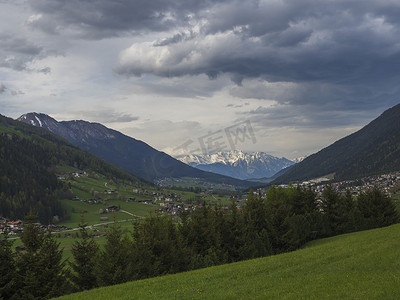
<point>287,77</point>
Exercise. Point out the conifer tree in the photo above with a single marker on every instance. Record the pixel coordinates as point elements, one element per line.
<point>84,252</point>
<point>7,268</point>
<point>113,262</point>
<point>377,209</point>
<point>40,267</point>
<point>332,209</point>
<point>258,230</point>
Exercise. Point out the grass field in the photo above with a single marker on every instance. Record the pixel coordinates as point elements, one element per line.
<point>363,265</point>
<point>91,185</point>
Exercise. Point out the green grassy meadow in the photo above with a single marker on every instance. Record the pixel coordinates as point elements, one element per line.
<point>362,265</point>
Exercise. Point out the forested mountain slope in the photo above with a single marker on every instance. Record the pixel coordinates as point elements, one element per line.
<point>29,157</point>
<point>374,149</point>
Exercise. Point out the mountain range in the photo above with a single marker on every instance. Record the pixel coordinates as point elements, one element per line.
<point>374,149</point>
<point>132,155</point>
<point>238,164</point>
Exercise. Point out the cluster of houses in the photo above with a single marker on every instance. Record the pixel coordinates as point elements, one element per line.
<point>389,183</point>
<point>174,209</point>
<point>15,227</point>
<point>12,227</point>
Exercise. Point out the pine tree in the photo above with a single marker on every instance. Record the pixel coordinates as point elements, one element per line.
<point>258,233</point>
<point>113,264</point>
<point>158,248</point>
<point>7,268</point>
<point>332,209</point>
<point>40,267</point>
<point>84,252</point>
<point>377,209</point>
<point>348,213</point>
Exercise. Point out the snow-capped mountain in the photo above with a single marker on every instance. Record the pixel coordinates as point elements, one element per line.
<point>299,159</point>
<point>238,164</point>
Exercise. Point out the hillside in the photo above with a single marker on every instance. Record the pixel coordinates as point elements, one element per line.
<point>362,265</point>
<point>134,156</point>
<point>374,149</point>
<point>29,159</point>
<point>238,164</point>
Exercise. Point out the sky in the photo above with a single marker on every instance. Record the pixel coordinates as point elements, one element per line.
<point>283,77</point>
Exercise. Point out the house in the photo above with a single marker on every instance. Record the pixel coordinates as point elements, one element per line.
<point>109,192</point>
<point>14,224</point>
<point>78,174</point>
<point>112,208</point>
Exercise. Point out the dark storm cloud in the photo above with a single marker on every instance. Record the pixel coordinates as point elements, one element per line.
<point>342,52</point>
<point>104,18</point>
<point>12,43</point>
<point>341,42</point>
<point>17,52</point>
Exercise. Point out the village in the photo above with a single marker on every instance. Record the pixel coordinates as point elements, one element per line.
<point>389,183</point>
<point>171,203</point>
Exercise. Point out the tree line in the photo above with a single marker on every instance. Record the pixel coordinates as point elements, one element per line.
<point>283,220</point>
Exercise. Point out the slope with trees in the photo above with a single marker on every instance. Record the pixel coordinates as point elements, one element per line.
<point>29,158</point>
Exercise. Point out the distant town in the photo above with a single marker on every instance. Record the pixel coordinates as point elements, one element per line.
<point>173,204</point>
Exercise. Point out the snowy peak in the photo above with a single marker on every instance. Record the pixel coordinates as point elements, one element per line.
<point>71,130</point>
<point>238,164</point>
<point>299,159</point>
<point>39,120</point>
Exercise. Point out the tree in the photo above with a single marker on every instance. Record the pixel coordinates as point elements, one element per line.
<point>7,268</point>
<point>331,206</point>
<point>158,248</point>
<point>258,231</point>
<point>84,252</point>
<point>113,264</point>
<point>40,267</point>
<point>377,209</point>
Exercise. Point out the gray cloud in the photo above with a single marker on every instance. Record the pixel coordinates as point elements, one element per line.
<point>2,88</point>
<point>17,93</point>
<point>122,118</point>
<point>308,116</point>
<point>189,87</point>
<point>17,52</point>
<point>345,52</point>
<point>102,116</point>
<point>323,64</point>
<point>102,18</point>
<point>306,50</point>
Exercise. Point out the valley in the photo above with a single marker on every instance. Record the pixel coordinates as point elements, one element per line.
<point>199,149</point>
<point>178,223</point>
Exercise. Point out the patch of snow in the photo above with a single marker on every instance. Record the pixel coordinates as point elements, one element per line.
<point>40,123</point>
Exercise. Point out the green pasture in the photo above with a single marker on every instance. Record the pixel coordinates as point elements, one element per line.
<point>362,265</point>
